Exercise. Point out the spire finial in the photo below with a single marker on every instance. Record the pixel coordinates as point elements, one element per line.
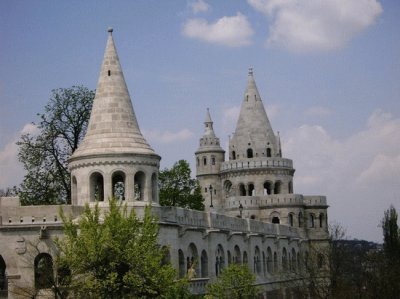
<point>250,71</point>
<point>110,30</point>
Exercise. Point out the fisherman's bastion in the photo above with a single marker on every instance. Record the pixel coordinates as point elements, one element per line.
<point>252,214</point>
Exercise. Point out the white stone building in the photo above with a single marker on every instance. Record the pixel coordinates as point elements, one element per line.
<point>252,214</point>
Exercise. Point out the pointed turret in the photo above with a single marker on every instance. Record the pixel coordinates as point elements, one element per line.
<point>114,159</point>
<point>113,126</point>
<point>254,135</point>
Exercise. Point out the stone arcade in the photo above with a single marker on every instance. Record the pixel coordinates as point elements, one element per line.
<point>252,214</point>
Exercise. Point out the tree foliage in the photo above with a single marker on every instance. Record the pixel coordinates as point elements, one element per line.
<point>235,281</point>
<point>178,188</point>
<point>44,155</point>
<point>117,257</point>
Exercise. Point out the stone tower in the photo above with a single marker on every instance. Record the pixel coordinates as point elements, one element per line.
<point>209,157</point>
<point>114,159</point>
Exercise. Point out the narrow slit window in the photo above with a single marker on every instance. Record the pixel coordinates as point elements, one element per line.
<point>109,73</point>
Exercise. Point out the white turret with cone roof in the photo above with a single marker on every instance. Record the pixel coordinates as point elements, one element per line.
<point>254,135</point>
<point>114,159</point>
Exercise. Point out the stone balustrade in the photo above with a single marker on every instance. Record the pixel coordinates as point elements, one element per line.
<point>256,163</point>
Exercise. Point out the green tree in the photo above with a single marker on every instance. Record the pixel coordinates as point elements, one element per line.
<point>391,239</point>
<point>44,155</point>
<point>117,257</point>
<point>178,188</point>
<point>235,281</point>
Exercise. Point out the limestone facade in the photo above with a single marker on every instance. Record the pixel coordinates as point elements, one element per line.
<point>252,214</point>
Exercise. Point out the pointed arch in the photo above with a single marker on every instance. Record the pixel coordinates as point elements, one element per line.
<point>257,260</point>
<point>237,255</point>
<point>219,259</point>
<point>193,258</point>
<point>204,264</point>
<point>43,268</point>
<point>181,262</point>
<point>269,260</point>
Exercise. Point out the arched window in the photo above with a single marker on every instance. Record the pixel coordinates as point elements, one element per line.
<point>276,220</point>
<point>267,188</point>
<point>249,153</point>
<point>198,162</point>
<point>154,188</point>
<point>290,216</point>
<point>204,160</point>
<point>277,188</point>
<point>242,190</point>
<point>212,160</point>
<point>290,187</point>
<point>193,259</point>
<point>229,257</point>
<point>269,260</point>
<point>268,152</point>
<point>275,262</point>
<point>3,278</point>
<point>321,220</point>
<point>284,259</point>
<point>300,219</point>
<point>294,263</point>
<point>219,259</point>
<point>251,190</point>
<point>245,258</point>
<point>233,155</point>
<point>264,263</point>
<point>204,264</point>
<point>139,185</point>
<point>74,191</point>
<point>312,220</point>
<point>44,276</point>
<point>118,185</point>
<point>96,187</point>
<point>181,260</point>
<point>227,187</point>
<point>257,261</point>
<point>237,257</point>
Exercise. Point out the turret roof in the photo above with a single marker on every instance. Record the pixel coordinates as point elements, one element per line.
<point>113,127</point>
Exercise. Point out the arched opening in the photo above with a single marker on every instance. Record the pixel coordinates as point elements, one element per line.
<point>181,261</point>
<point>294,263</point>
<point>267,188</point>
<point>284,259</point>
<point>312,220</point>
<point>227,187</point>
<point>257,260</point>
<point>74,190</point>
<point>204,264</point>
<point>118,185</point>
<point>275,262</point>
<point>264,264</point>
<point>242,190</point>
<point>268,152</point>
<point>96,187</point>
<point>245,258</point>
<point>275,218</point>
<point>219,259</point>
<point>290,218</point>
<point>249,153</point>
<point>166,259</point>
<point>204,161</point>
<point>193,260</point>
<point>237,257</point>
<point>154,188</point>
<point>212,160</point>
<point>198,162</point>
<point>229,257</point>
<point>290,187</point>
<point>300,219</point>
<point>251,190</point>
<point>139,185</point>
<point>3,277</point>
<point>44,276</point>
<point>269,260</point>
<point>321,220</point>
<point>278,187</point>
<point>233,155</point>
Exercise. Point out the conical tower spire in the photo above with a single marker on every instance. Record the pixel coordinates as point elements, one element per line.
<point>253,129</point>
<point>208,125</point>
<point>113,127</point>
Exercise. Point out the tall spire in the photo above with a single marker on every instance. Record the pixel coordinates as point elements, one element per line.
<point>113,127</point>
<point>209,141</point>
<point>253,129</point>
<point>208,125</point>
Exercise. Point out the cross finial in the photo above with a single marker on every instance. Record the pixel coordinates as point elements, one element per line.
<point>250,71</point>
<point>110,30</point>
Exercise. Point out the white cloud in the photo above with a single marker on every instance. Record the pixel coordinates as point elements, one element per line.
<point>315,25</point>
<point>318,111</point>
<point>359,174</point>
<point>11,171</point>
<point>232,31</point>
<point>199,6</point>
<point>157,136</point>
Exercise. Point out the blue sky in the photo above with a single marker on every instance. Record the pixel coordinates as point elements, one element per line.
<point>328,73</point>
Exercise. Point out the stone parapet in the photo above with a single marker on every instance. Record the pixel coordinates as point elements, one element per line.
<point>265,201</point>
<point>256,163</point>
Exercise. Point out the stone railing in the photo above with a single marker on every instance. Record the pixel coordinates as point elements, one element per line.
<point>198,285</point>
<point>255,163</point>
<point>264,201</point>
<point>316,200</point>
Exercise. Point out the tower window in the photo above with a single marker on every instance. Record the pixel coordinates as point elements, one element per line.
<point>213,160</point>
<point>204,160</point>
<point>109,73</point>
<point>268,152</point>
<point>249,153</point>
<point>233,155</point>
